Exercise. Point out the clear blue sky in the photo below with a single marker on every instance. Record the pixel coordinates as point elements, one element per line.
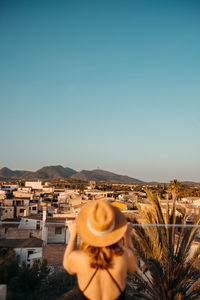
<point>108,84</point>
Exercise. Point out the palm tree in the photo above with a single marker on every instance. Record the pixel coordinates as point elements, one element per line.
<point>166,271</point>
<point>174,188</point>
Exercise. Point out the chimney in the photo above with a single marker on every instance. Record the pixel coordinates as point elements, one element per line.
<point>44,215</point>
<point>44,228</point>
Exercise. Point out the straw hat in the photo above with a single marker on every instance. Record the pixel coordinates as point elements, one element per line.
<point>100,224</point>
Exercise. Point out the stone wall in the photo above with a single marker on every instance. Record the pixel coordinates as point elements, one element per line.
<point>15,233</point>
<point>53,253</point>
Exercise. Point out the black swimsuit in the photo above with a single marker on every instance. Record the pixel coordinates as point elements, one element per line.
<point>83,297</point>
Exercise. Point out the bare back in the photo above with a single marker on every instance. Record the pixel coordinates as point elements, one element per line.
<point>102,286</point>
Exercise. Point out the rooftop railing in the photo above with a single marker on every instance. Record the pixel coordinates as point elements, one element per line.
<point>133,224</point>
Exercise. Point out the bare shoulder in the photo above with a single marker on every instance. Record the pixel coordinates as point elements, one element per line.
<point>128,251</point>
<point>131,259</point>
<point>73,261</point>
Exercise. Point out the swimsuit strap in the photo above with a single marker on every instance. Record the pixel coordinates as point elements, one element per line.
<point>90,280</point>
<point>117,284</point>
<point>113,279</point>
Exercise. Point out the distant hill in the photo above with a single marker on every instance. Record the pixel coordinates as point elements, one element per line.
<point>49,172</point>
<point>7,173</point>
<point>54,172</point>
<point>190,183</point>
<point>105,176</point>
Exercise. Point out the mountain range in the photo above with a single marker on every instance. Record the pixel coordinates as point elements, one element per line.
<point>102,175</point>
<point>56,172</point>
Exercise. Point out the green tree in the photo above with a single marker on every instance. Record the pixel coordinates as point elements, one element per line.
<point>27,282</point>
<point>8,265</point>
<point>166,271</point>
<point>56,285</point>
<point>35,282</point>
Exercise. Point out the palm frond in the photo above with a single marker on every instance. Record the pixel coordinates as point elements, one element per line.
<point>193,232</point>
<point>167,272</point>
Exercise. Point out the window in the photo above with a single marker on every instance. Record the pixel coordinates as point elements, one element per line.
<point>38,225</point>
<point>21,210</point>
<point>33,208</point>
<point>29,253</point>
<point>58,230</point>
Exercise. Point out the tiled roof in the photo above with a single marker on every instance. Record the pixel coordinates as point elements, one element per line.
<point>21,243</point>
<point>34,217</point>
<point>56,220</point>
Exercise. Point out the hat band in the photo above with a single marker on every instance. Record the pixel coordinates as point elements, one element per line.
<point>100,233</point>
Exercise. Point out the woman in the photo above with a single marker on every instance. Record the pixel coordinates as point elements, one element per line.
<point>102,262</point>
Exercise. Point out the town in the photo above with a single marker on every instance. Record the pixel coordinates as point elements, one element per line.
<point>34,215</point>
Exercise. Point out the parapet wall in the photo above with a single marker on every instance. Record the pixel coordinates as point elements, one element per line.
<point>53,253</point>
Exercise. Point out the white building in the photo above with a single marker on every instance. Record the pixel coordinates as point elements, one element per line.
<point>27,250</point>
<point>32,223</point>
<point>196,203</point>
<point>2,195</point>
<point>35,185</point>
<point>9,187</point>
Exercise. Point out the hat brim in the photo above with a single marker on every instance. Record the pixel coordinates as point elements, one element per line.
<point>100,241</point>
